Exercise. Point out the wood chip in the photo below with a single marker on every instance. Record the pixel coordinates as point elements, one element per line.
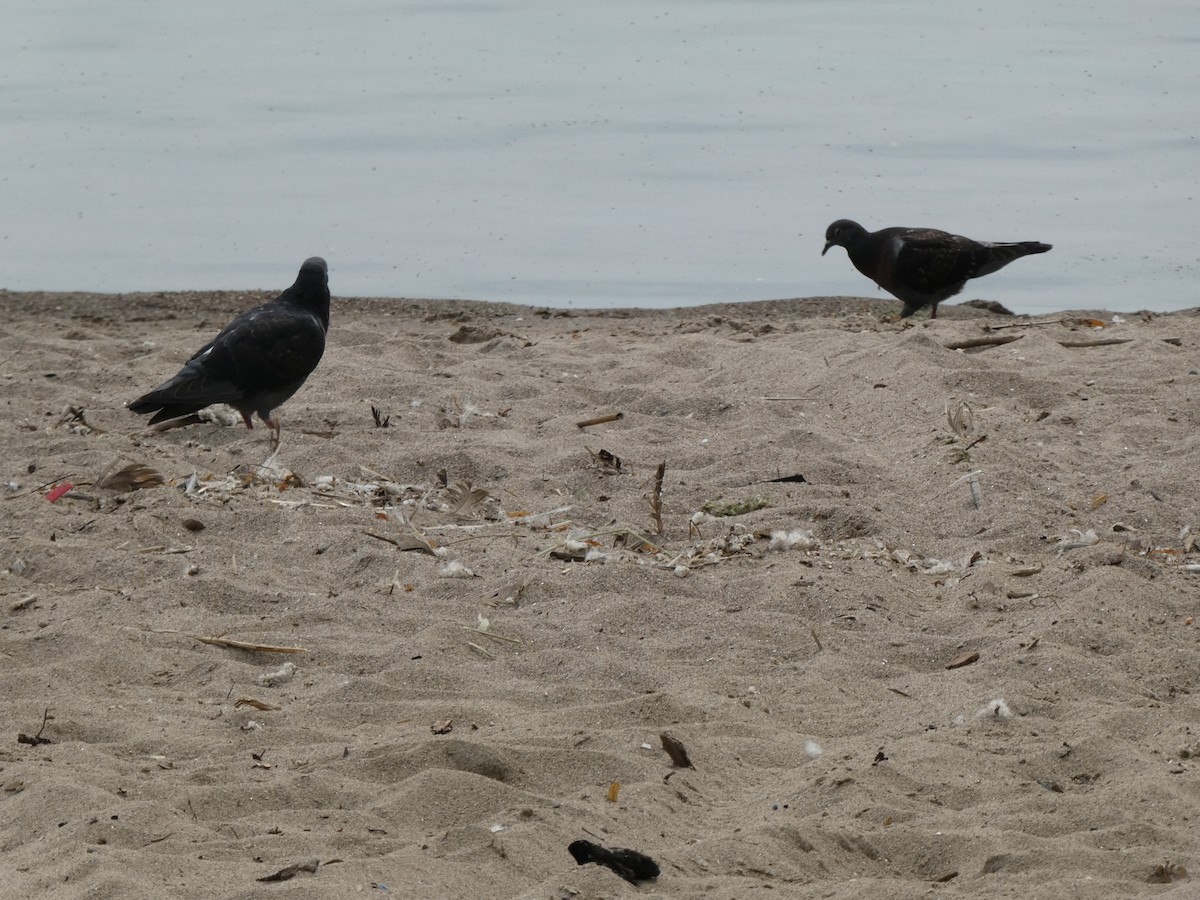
<point>600,420</point>
<point>963,659</point>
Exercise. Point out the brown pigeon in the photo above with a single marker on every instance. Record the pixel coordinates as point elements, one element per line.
<point>257,361</point>
<point>922,266</point>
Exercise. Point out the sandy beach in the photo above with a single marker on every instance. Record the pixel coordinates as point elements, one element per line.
<point>918,605</point>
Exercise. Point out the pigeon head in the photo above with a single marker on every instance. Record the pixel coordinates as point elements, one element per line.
<point>842,233</point>
<point>314,271</point>
<point>311,289</point>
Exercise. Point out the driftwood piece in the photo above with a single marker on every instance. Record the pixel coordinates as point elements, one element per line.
<point>991,340</point>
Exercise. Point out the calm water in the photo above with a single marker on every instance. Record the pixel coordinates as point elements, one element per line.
<point>625,153</point>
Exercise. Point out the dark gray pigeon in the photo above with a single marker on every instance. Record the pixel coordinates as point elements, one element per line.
<point>257,361</point>
<point>922,266</point>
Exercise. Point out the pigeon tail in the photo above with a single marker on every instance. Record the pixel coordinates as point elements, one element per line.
<point>1000,255</point>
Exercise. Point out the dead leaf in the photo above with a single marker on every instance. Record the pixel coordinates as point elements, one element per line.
<point>675,750</point>
<point>445,726</point>
<point>257,704</point>
<point>289,872</point>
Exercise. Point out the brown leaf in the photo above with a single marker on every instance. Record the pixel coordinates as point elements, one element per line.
<point>963,659</point>
<point>257,704</point>
<point>675,750</point>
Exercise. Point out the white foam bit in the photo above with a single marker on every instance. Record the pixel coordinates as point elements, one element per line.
<point>455,569</point>
<point>813,749</point>
<point>282,675</point>
<point>595,554</point>
<point>997,709</point>
<point>1076,539</point>
<point>681,571</point>
<point>796,539</point>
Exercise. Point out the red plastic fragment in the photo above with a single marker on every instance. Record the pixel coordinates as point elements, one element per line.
<point>55,494</point>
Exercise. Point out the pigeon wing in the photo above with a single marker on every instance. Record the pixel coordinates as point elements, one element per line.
<point>259,359</point>
<point>932,262</point>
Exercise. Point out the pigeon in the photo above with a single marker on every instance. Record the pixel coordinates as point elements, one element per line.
<point>922,266</point>
<point>257,361</point>
<point>629,864</point>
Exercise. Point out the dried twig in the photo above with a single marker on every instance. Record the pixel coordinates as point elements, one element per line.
<point>655,498</point>
<point>75,414</point>
<point>990,327</point>
<point>170,424</point>
<point>600,420</point>
<point>1100,342</point>
<point>987,341</point>
<point>37,738</point>
<point>218,641</point>
<point>484,628</point>
<point>381,421</point>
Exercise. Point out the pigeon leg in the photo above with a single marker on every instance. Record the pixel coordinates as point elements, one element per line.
<point>275,423</point>
<point>246,419</point>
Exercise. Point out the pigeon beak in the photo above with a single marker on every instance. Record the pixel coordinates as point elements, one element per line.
<point>828,244</point>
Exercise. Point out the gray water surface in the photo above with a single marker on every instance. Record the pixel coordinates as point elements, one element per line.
<point>629,153</point>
